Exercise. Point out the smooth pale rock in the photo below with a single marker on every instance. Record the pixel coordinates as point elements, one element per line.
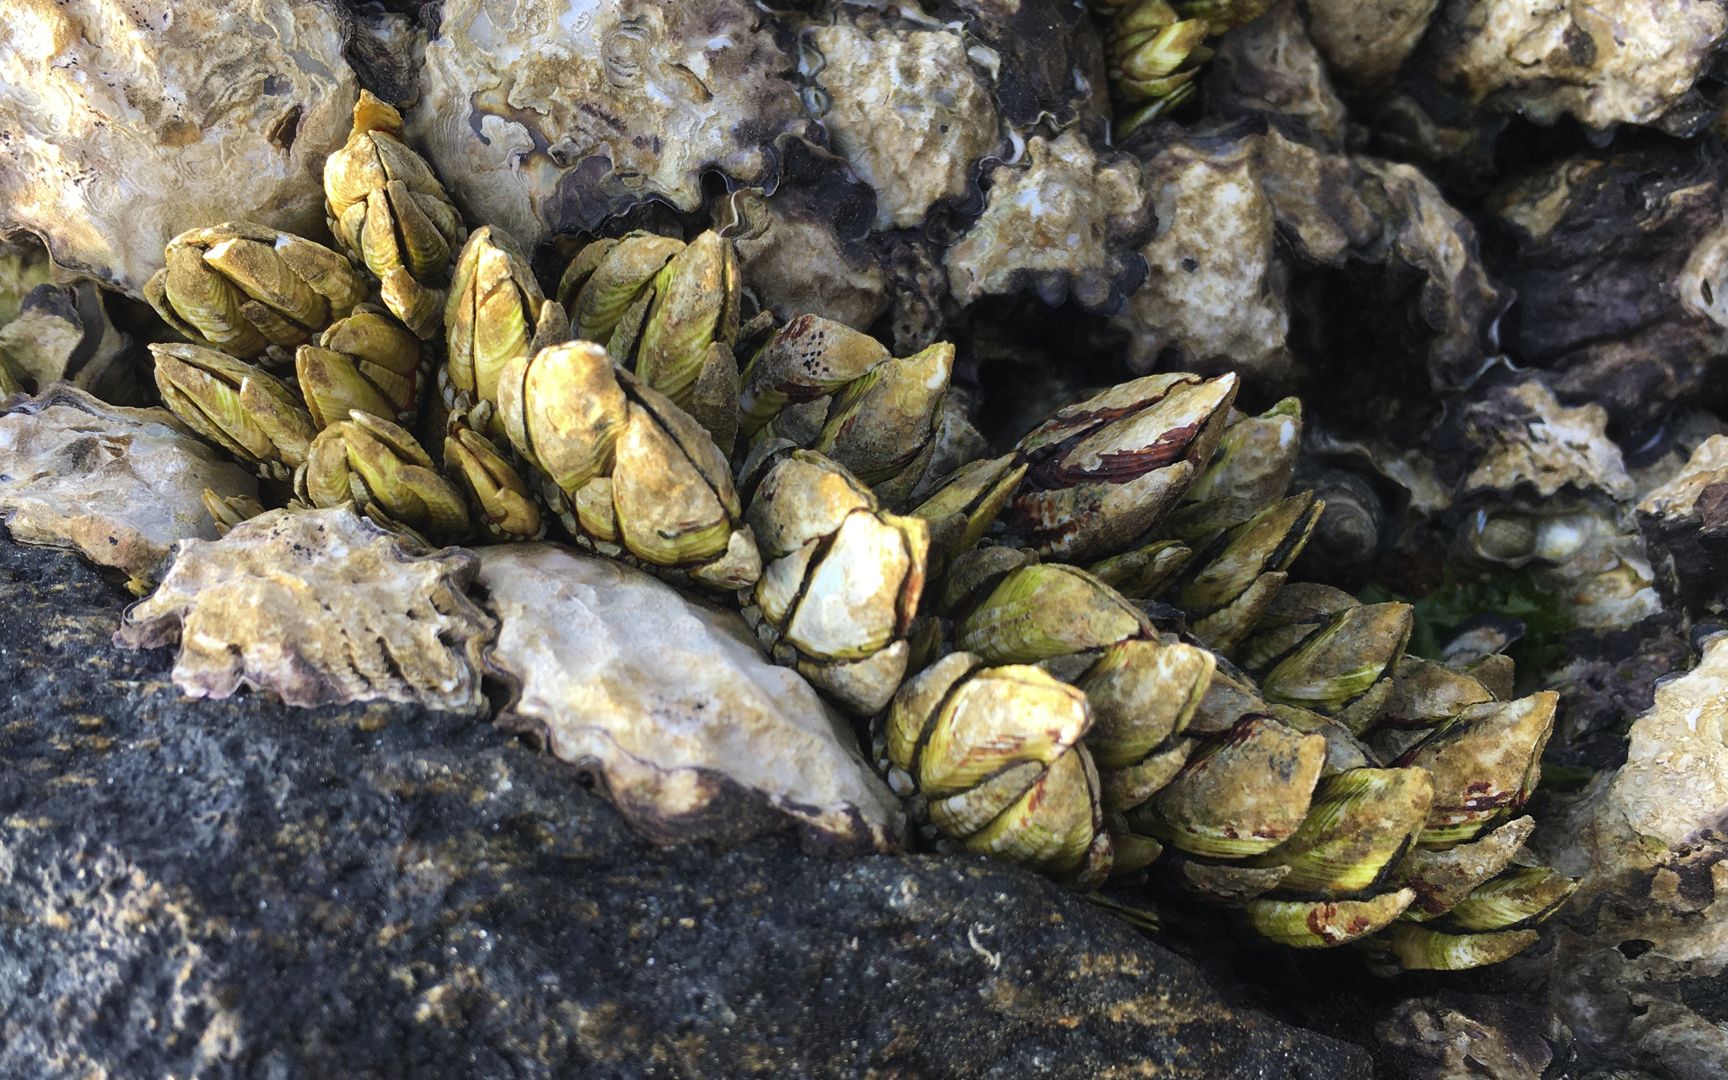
<point>693,732</point>
<point>120,485</point>
<point>1647,932</point>
<point>129,123</point>
<point>321,606</point>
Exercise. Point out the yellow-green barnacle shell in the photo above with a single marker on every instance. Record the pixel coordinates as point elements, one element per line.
<point>1485,763</point>
<point>388,476</point>
<point>1229,884</point>
<point>1105,470</point>
<point>387,208</point>
<point>1359,825</point>
<point>366,361</point>
<point>242,287</point>
<point>227,511</point>
<point>1443,877</point>
<point>1341,666</point>
<point>1251,468</point>
<point>495,313</point>
<point>995,754</point>
<point>1047,610</point>
<point>695,305</point>
<point>842,580</point>
<point>973,576</point>
<point>1322,924</point>
<point>497,494</point>
<point>1425,694</point>
<point>609,278</point>
<point>563,408</point>
<point>235,405</point>
<point>1145,571</point>
<point>964,504</point>
<point>1417,947</point>
<point>806,360</point>
<point>883,425</point>
<point>1231,583</point>
<point>1520,897</point>
<point>1143,692</point>
<point>1241,795</point>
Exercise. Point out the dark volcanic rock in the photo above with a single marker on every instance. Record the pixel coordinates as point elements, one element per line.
<point>236,888</point>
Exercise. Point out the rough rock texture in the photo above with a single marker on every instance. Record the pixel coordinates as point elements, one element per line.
<point>232,889</point>
<point>128,123</point>
<point>1685,522</point>
<point>121,485</point>
<point>629,101</point>
<point>1462,1036</point>
<point>1615,263</point>
<point>62,333</point>
<point>1365,42</point>
<point>1063,223</point>
<point>672,706</point>
<point>322,607</point>
<point>1601,61</point>
<point>1270,68</point>
<point>1642,949</point>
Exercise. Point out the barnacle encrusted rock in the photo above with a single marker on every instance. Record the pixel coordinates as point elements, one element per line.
<point>907,107</point>
<point>795,258</point>
<point>1527,438</point>
<point>120,485</point>
<point>1649,926</point>
<point>1600,61</point>
<point>1270,68</point>
<point>548,116</point>
<point>129,123</point>
<point>1618,266</point>
<point>1365,42</point>
<point>1685,523</point>
<point>1063,222</point>
<point>322,607</point>
<point>693,733</point>
<point>63,333</point>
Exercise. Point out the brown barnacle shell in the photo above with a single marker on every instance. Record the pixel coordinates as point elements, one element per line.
<point>905,104</point>
<point>622,104</point>
<point>127,125</point>
<point>1063,221</point>
<point>1105,470</point>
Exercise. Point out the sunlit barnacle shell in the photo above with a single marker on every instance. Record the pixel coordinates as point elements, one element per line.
<point>549,116</point>
<point>905,105</point>
<point>321,607</point>
<point>1063,222</point>
<point>1603,63</point>
<point>130,123</point>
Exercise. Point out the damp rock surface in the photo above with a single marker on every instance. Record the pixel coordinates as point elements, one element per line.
<point>693,733</point>
<point>121,485</point>
<point>431,898</point>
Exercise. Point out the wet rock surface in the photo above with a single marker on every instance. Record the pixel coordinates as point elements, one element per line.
<point>237,888</point>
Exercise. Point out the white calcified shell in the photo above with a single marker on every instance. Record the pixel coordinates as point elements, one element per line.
<point>1601,61</point>
<point>907,108</point>
<point>1648,845</point>
<point>1063,222</point>
<point>694,733</point>
<point>120,485</point>
<point>546,116</point>
<point>130,123</point>
<point>321,606</point>
<point>1529,438</point>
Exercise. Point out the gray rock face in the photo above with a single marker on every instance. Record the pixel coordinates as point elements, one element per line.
<point>236,888</point>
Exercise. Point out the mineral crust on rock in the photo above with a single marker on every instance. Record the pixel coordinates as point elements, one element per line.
<point>547,116</point>
<point>120,485</point>
<point>129,123</point>
<point>321,607</point>
<point>1685,522</point>
<point>1647,935</point>
<point>692,732</point>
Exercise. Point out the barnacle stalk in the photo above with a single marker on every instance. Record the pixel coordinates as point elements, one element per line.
<point>994,758</point>
<point>823,386</point>
<point>387,208</point>
<point>1104,471</point>
<point>495,314</point>
<point>241,288</point>
<point>669,312</point>
<point>366,361</point>
<point>235,405</point>
<point>629,472</point>
<point>386,474</point>
<point>841,579</point>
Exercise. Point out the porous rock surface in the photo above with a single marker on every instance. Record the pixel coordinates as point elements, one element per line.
<point>239,889</point>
